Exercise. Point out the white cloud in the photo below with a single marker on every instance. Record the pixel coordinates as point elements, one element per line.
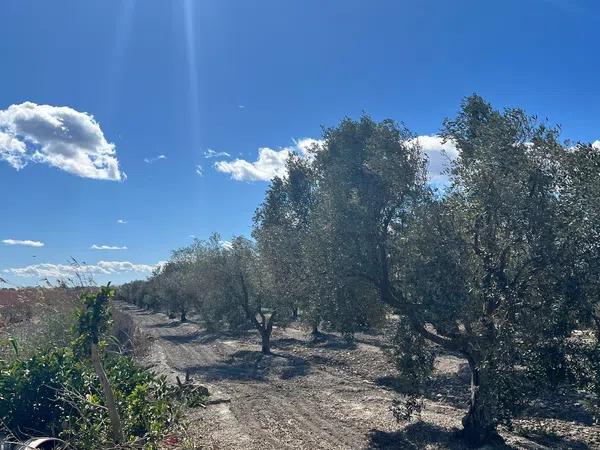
<point>60,271</point>
<point>121,221</point>
<point>210,153</point>
<point>227,245</point>
<point>302,146</point>
<point>107,247</point>
<point>270,162</point>
<point>26,242</point>
<point>596,145</point>
<point>154,159</point>
<point>12,150</point>
<point>199,170</point>
<point>58,136</point>
<point>439,154</point>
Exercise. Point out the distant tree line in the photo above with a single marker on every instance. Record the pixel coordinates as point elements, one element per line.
<point>501,265</point>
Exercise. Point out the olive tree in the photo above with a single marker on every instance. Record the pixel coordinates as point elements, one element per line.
<point>580,213</point>
<point>174,284</point>
<point>368,176</point>
<point>470,269</point>
<point>240,287</point>
<point>481,273</point>
<point>282,231</point>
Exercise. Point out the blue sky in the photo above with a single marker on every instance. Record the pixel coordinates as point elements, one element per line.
<point>200,82</point>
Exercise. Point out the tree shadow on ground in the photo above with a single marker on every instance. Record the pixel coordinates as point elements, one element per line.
<point>415,436</point>
<point>164,325</point>
<point>451,388</point>
<point>201,337</point>
<point>420,435</point>
<point>287,342</point>
<point>562,404</point>
<point>181,338</point>
<point>447,388</point>
<point>545,439</point>
<point>330,341</point>
<point>246,365</point>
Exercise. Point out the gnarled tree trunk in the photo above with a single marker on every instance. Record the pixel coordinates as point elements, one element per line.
<point>315,329</point>
<point>265,327</point>
<point>479,425</point>
<point>266,341</point>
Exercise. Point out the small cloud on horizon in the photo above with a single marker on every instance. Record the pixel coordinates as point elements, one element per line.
<point>107,247</point>
<point>61,271</point>
<point>26,242</point>
<point>121,221</point>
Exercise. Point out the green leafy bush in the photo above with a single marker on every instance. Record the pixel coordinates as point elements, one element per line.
<point>55,394</point>
<point>56,391</point>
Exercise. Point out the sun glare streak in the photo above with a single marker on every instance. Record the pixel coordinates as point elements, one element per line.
<point>122,36</point>
<point>194,105</point>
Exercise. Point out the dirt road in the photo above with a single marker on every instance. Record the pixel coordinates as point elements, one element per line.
<point>329,395</point>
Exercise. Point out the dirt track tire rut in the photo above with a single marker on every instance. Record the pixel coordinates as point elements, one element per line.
<point>276,402</point>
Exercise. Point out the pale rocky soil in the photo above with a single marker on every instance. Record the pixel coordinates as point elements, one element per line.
<point>329,395</point>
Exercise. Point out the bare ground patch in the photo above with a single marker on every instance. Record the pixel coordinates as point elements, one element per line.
<point>330,394</point>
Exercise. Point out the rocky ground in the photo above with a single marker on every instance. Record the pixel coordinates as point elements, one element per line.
<point>330,394</point>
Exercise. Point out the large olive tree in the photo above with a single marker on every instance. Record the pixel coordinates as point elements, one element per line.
<point>482,273</point>
<point>471,269</point>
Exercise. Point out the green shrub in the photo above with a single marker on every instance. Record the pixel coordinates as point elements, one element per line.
<point>55,394</point>
<point>28,389</point>
<point>56,391</point>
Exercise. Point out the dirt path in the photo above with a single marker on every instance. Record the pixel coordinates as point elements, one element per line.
<point>326,396</point>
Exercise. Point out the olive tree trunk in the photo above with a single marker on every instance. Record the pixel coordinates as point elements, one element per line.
<point>266,341</point>
<point>479,425</point>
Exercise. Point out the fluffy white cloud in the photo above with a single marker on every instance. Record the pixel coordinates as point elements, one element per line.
<point>58,136</point>
<point>12,150</point>
<point>596,145</point>
<point>270,162</point>
<point>210,153</point>
<point>25,242</point>
<point>121,221</point>
<point>154,159</point>
<point>62,271</point>
<point>107,247</point>
<point>439,154</point>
